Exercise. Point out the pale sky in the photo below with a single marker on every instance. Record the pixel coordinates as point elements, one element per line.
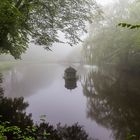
<point>104,2</point>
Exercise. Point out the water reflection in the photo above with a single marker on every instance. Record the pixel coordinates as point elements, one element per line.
<point>26,79</point>
<point>113,101</point>
<point>13,110</point>
<point>1,89</point>
<point>70,78</point>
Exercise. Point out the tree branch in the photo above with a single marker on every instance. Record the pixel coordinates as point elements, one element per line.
<point>18,3</point>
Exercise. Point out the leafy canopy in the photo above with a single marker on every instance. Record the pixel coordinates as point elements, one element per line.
<point>40,20</point>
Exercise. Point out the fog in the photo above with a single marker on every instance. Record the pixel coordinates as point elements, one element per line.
<point>105,42</point>
<point>105,73</point>
<point>60,52</point>
<point>109,44</point>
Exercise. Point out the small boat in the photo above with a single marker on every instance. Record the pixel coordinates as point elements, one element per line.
<point>70,73</point>
<point>70,78</point>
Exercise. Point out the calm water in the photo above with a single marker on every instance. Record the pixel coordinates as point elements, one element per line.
<point>105,103</point>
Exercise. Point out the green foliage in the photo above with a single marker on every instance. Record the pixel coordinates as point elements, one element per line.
<point>13,33</point>
<point>130,26</point>
<point>131,137</point>
<point>62,132</point>
<point>112,45</point>
<point>41,20</point>
<point>17,133</point>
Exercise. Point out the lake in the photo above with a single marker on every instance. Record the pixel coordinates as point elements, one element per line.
<point>105,103</point>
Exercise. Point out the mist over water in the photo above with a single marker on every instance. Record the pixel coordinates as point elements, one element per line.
<point>102,89</point>
<point>59,53</point>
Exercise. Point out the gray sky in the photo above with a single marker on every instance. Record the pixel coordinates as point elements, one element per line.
<point>104,2</point>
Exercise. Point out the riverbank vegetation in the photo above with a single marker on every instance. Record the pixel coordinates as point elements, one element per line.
<point>110,44</point>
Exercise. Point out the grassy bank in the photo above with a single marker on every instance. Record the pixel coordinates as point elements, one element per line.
<point>5,65</point>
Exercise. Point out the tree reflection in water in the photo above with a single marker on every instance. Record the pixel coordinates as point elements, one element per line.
<point>114,101</point>
<point>13,111</point>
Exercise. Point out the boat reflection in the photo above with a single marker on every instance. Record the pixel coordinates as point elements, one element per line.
<point>13,111</point>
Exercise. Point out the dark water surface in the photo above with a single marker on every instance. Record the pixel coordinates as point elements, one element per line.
<point>106,103</point>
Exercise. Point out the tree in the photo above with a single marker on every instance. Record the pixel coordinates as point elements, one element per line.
<point>111,45</point>
<point>41,20</point>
